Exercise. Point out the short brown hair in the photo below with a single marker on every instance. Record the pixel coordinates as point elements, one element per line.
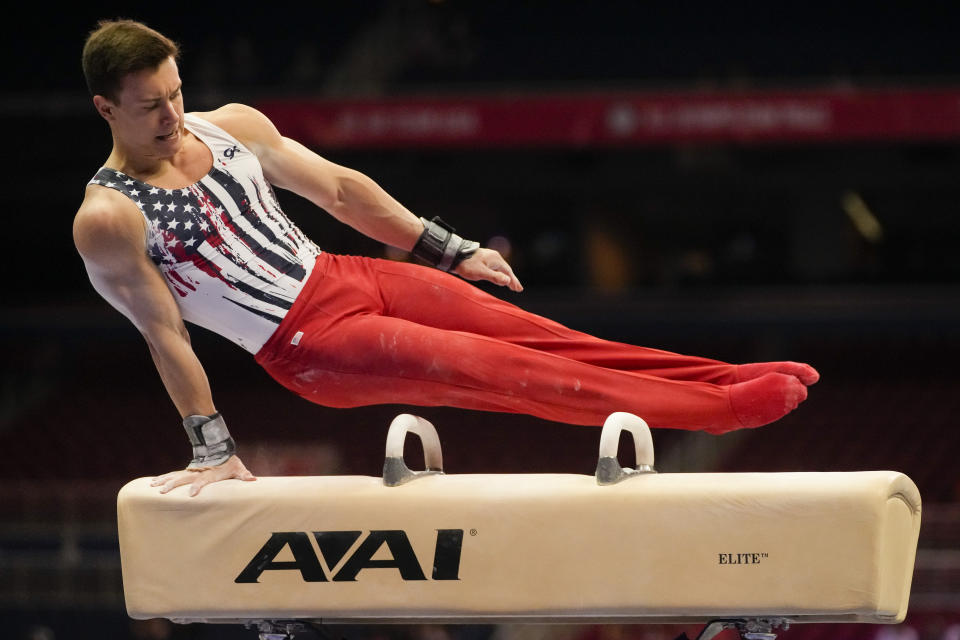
<point>119,47</point>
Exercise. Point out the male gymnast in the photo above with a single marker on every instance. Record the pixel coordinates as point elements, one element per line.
<point>181,223</point>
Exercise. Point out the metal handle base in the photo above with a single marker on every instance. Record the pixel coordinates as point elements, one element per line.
<point>609,470</point>
<point>395,470</point>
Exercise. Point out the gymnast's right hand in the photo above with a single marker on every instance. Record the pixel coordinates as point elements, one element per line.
<point>214,456</point>
<point>199,477</point>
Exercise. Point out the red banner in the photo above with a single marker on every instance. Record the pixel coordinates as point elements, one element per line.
<point>621,119</point>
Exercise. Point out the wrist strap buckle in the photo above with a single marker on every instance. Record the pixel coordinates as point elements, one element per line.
<point>440,247</point>
<point>212,444</point>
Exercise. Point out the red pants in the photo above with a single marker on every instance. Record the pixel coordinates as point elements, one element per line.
<point>372,331</point>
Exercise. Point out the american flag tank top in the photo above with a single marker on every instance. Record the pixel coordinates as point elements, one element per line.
<point>234,262</point>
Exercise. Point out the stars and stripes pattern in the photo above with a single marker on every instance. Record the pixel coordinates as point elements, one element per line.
<point>234,260</point>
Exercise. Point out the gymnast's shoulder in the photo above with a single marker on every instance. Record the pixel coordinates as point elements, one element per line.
<point>105,212</point>
<point>243,122</point>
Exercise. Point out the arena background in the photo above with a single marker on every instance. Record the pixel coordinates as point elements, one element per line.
<point>742,182</point>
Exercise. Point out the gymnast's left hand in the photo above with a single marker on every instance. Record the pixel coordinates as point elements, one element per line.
<point>488,264</point>
<point>199,478</point>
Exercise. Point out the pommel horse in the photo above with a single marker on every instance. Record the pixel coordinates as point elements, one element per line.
<point>755,552</point>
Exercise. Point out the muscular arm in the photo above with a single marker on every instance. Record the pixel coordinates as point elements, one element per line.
<point>110,238</point>
<point>346,194</point>
<point>109,235</point>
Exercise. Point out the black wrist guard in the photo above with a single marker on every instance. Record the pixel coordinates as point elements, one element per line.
<point>212,444</point>
<point>440,247</point>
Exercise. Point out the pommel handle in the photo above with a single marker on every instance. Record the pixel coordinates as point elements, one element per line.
<point>395,470</point>
<point>609,470</point>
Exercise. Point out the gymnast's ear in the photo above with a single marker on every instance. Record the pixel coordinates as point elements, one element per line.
<point>105,107</point>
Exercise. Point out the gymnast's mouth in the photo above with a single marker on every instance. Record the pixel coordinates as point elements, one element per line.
<point>170,136</point>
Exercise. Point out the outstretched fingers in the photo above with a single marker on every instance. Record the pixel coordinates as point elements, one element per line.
<point>170,481</point>
<point>199,478</point>
<point>502,273</point>
<point>488,264</point>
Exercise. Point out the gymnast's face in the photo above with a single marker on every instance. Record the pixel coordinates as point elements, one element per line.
<point>147,116</point>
